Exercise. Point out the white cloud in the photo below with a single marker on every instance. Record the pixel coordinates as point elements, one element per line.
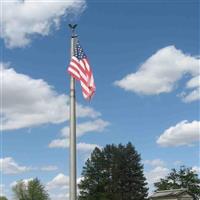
<point>59,143</point>
<point>9,166</point>
<point>60,196</point>
<point>60,181</point>
<point>64,143</point>
<point>49,168</point>
<point>20,20</point>
<point>84,147</point>
<point>196,169</point>
<point>177,163</point>
<point>155,162</point>
<point>80,179</point>
<point>28,102</point>
<point>183,133</point>
<point>156,174</point>
<point>193,95</point>
<point>194,82</point>
<point>97,125</point>
<point>58,187</point>
<point>161,72</point>
<point>157,171</point>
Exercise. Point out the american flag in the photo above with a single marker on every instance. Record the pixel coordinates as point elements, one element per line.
<point>79,68</point>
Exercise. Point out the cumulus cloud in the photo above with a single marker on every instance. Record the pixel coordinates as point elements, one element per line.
<point>58,196</point>
<point>178,163</point>
<point>196,169</point>
<point>97,125</point>
<point>59,143</point>
<point>158,170</point>
<point>155,162</point>
<point>183,133</point>
<point>156,174</point>
<point>9,166</point>
<point>193,95</point>
<point>49,168</point>
<point>84,147</point>
<point>161,72</point>
<point>60,181</point>
<point>64,143</point>
<point>20,20</point>
<point>28,102</point>
<point>59,187</point>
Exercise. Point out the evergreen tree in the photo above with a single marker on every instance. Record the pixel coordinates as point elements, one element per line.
<point>182,178</point>
<point>114,172</point>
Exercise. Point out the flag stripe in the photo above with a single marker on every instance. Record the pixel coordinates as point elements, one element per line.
<point>75,71</point>
<point>74,74</point>
<point>82,74</point>
<point>79,69</point>
<point>78,65</point>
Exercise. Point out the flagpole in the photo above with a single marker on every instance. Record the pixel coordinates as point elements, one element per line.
<point>72,131</point>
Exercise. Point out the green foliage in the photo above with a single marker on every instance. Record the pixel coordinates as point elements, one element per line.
<point>182,178</point>
<point>114,172</point>
<point>34,190</point>
<point>3,198</point>
<point>20,191</point>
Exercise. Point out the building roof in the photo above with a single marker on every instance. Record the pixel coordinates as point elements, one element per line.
<point>165,193</point>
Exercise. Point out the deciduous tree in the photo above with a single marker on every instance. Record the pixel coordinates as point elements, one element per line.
<point>33,190</point>
<point>182,178</point>
<point>3,198</point>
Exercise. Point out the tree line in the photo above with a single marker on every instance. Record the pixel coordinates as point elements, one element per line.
<point>114,172</point>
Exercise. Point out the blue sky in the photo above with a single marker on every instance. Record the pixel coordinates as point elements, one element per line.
<point>145,59</point>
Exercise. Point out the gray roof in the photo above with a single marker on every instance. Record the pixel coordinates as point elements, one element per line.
<point>165,193</point>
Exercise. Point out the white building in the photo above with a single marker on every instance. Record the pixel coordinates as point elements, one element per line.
<point>175,194</point>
